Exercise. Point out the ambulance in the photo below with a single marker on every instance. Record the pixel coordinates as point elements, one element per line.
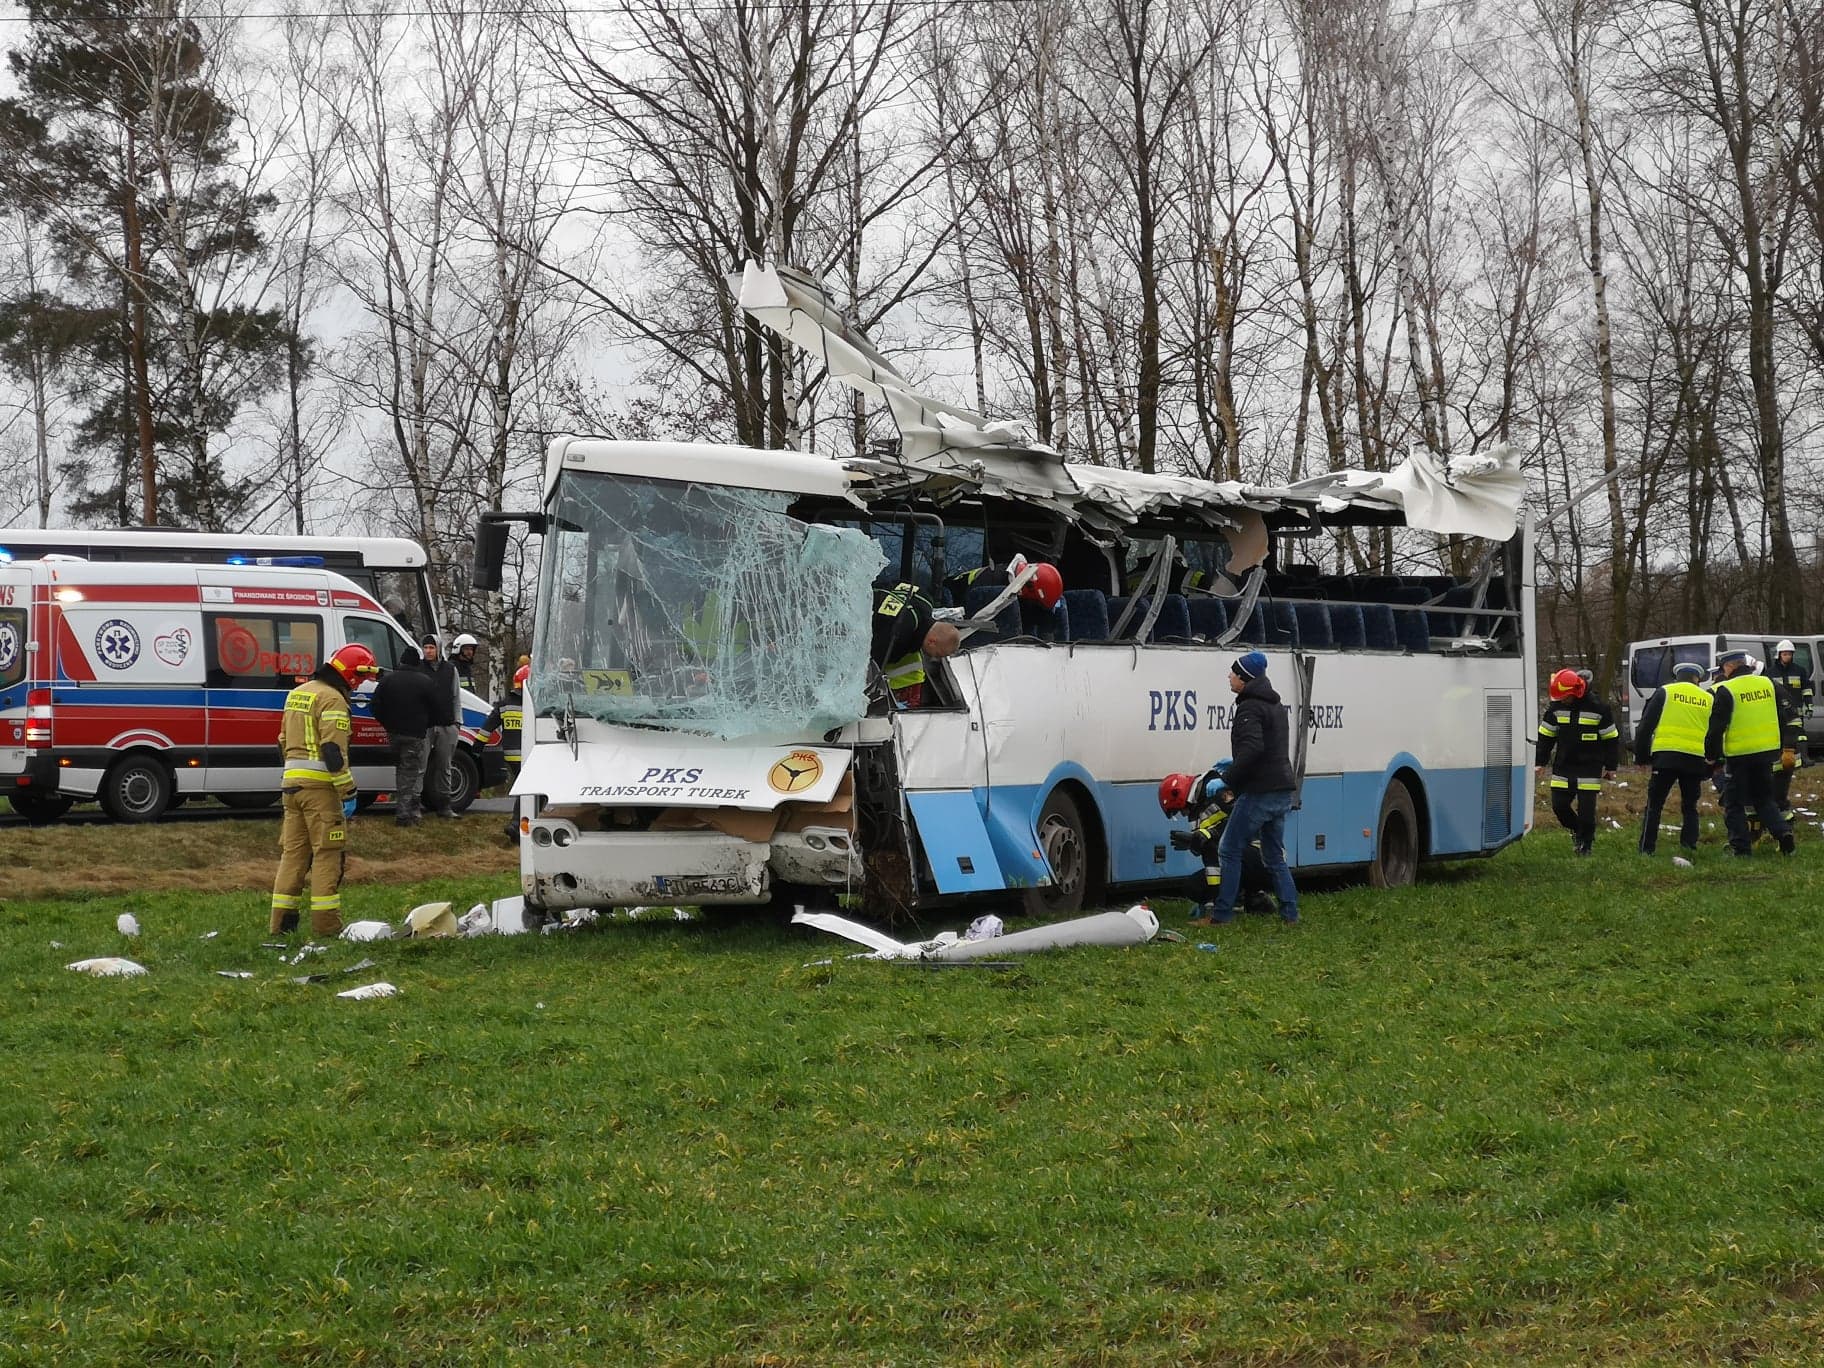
<point>144,685</point>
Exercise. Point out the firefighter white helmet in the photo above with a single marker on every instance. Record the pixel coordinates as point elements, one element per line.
<point>1783,647</point>
<point>464,640</point>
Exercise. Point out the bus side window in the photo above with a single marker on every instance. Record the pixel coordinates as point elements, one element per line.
<point>254,651</point>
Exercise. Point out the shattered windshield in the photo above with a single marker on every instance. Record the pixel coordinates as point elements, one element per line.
<point>701,608</point>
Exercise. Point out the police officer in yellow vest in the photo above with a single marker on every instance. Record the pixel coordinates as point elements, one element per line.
<point>904,634</point>
<point>1744,737</point>
<point>319,791</point>
<point>1671,737</point>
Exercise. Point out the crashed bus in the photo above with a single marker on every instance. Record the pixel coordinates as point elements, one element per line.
<point>704,724</point>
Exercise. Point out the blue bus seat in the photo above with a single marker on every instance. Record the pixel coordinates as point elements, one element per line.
<point>1313,624</point>
<point>1347,626</point>
<point>1174,620</point>
<point>1254,629</point>
<point>1086,615</point>
<point>1117,605</point>
<point>1377,625</point>
<point>1006,622</point>
<point>1047,624</point>
<point>1414,629</point>
<point>1209,618</point>
<point>1282,625</point>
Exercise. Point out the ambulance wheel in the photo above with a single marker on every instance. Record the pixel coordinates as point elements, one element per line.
<point>137,789</point>
<point>465,781</point>
<point>39,808</point>
<point>1065,844</point>
<point>1396,843</point>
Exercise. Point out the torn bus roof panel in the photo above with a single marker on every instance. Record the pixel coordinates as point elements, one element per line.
<point>1477,495</point>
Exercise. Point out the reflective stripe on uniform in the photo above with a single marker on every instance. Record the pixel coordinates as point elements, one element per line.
<point>285,902</point>
<point>1584,784</point>
<point>906,671</point>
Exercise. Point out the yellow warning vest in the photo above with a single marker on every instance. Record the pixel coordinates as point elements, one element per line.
<point>1684,720</point>
<point>1754,725</point>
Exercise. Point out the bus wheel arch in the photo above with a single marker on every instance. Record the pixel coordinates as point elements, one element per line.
<point>1069,832</point>
<point>1400,832</point>
<point>138,787</point>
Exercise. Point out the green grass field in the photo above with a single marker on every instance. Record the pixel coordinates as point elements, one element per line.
<point>1535,1109</point>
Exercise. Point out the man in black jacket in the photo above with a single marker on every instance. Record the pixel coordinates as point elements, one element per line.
<point>1260,773</point>
<point>446,707</point>
<point>403,703</point>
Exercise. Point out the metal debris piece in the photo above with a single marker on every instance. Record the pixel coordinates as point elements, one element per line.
<point>370,990</point>
<point>108,966</point>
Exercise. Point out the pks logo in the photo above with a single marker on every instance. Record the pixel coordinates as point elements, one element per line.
<point>797,772</point>
<point>117,644</point>
<point>9,646</point>
<point>173,647</point>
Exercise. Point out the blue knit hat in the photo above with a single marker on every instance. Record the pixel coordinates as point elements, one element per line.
<point>1251,666</point>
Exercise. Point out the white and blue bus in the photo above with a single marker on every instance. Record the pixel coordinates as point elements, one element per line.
<point>704,725</point>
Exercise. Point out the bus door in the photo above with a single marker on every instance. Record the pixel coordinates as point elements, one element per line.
<point>972,841</point>
<point>15,635</point>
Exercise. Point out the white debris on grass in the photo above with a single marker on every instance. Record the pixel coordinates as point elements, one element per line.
<point>309,949</point>
<point>209,935</point>
<point>233,973</point>
<point>127,924</point>
<point>108,966</point>
<point>1681,862</point>
<point>381,989</point>
<point>477,921</point>
<point>367,931</point>
<point>984,927</point>
<point>1135,926</point>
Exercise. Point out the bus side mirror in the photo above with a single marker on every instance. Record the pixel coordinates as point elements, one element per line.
<point>490,554</point>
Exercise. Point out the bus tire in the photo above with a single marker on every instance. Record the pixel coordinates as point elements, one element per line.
<point>136,789</point>
<point>41,809</point>
<point>248,802</point>
<point>465,780</point>
<point>1396,840</point>
<point>1065,842</point>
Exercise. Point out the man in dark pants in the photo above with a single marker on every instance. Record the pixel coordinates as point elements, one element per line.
<point>1671,736</point>
<point>403,703</point>
<point>1745,740</point>
<point>1260,773</point>
<point>1579,739</point>
<point>445,709</point>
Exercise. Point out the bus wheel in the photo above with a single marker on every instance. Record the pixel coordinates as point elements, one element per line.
<point>465,780</point>
<point>38,808</point>
<point>1066,849</point>
<point>137,789</point>
<point>1396,843</point>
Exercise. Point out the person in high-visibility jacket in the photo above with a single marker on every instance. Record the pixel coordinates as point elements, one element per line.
<point>1579,739</point>
<point>319,791</point>
<point>1745,739</point>
<point>1792,684</point>
<point>904,634</point>
<point>1670,738</point>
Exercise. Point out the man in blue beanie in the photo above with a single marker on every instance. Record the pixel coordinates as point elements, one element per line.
<point>1260,773</point>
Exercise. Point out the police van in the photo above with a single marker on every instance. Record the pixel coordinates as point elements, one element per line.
<point>1650,667</point>
<point>143,685</point>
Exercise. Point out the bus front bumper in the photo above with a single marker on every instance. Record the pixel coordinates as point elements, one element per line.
<point>563,867</point>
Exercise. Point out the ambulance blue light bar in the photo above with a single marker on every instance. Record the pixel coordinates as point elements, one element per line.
<point>292,562</point>
<point>6,557</point>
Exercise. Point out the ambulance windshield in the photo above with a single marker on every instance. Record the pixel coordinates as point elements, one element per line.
<point>700,608</point>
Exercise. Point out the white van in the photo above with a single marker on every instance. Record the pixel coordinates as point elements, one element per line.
<point>142,685</point>
<point>1650,666</point>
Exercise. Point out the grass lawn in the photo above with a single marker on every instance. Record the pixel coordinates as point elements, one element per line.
<point>1535,1109</point>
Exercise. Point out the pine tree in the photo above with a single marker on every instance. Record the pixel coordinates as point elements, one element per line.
<point>119,146</point>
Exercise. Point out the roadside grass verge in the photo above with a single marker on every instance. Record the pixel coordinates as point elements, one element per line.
<point>1535,1109</point>
<point>63,860</point>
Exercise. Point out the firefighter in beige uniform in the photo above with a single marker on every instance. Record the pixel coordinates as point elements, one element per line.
<point>319,792</point>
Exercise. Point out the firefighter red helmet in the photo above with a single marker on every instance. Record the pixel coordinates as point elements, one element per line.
<point>1565,684</point>
<point>1175,793</point>
<point>354,663</point>
<point>1045,587</point>
<point>521,675</point>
